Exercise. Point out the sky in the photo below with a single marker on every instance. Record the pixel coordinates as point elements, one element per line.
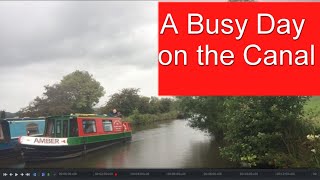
<point>42,41</point>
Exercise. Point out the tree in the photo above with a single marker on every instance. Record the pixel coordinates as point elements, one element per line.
<point>76,92</point>
<point>128,99</point>
<point>82,90</point>
<point>125,101</point>
<point>2,114</point>
<point>144,105</point>
<point>154,105</point>
<point>205,113</point>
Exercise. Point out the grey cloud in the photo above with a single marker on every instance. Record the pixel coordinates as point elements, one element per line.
<point>42,41</point>
<point>53,31</point>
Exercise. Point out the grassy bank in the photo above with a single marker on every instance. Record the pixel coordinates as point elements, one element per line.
<point>137,118</point>
<point>313,104</point>
<point>312,111</point>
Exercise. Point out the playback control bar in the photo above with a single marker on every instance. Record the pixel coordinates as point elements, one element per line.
<point>161,173</point>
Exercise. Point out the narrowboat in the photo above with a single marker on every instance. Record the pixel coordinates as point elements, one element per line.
<point>74,135</point>
<point>12,128</point>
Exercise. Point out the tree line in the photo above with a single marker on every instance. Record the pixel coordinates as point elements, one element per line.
<point>79,92</point>
<point>128,100</point>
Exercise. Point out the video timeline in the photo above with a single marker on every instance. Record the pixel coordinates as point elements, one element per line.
<point>162,173</point>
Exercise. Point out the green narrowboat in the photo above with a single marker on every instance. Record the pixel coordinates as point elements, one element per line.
<point>74,135</point>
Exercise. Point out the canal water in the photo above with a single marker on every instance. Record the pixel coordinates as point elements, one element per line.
<point>170,144</point>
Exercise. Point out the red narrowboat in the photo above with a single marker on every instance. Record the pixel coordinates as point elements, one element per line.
<point>74,135</point>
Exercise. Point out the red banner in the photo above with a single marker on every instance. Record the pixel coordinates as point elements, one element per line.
<point>217,48</point>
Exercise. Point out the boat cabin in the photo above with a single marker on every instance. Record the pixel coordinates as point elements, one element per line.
<point>81,125</point>
<point>26,126</point>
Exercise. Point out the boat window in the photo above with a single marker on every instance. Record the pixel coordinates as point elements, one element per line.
<point>50,128</point>
<point>1,133</point>
<point>32,128</point>
<point>58,128</point>
<point>65,128</point>
<point>73,128</point>
<point>89,126</point>
<point>107,125</point>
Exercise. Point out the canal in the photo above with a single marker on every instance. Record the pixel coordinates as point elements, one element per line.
<point>170,144</point>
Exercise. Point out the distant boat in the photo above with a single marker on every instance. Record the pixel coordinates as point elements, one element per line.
<point>74,135</point>
<point>12,128</point>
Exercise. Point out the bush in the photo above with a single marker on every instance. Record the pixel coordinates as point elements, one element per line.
<point>262,128</point>
<point>136,118</point>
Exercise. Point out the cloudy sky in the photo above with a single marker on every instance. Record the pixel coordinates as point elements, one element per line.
<point>42,41</point>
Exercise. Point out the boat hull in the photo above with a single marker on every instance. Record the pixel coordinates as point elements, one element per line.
<point>9,147</point>
<point>43,153</point>
<point>10,153</point>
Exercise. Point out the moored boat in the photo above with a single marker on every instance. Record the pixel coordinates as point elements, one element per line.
<point>74,135</point>
<point>12,128</point>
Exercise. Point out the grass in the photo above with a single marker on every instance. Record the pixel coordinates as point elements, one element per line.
<point>312,111</point>
<point>313,104</point>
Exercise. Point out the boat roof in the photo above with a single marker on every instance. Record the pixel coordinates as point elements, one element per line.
<point>84,115</point>
<point>25,118</point>
<point>62,116</point>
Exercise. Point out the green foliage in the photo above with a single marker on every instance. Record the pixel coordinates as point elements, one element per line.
<point>82,90</point>
<point>262,126</point>
<point>165,105</point>
<point>253,131</point>
<point>8,114</point>
<point>205,113</point>
<point>139,109</point>
<point>313,144</point>
<point>312,113</point>
<point>127,100</point>
<point>76,92</point>
<point>140,119</point>
<point>2,114</point>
